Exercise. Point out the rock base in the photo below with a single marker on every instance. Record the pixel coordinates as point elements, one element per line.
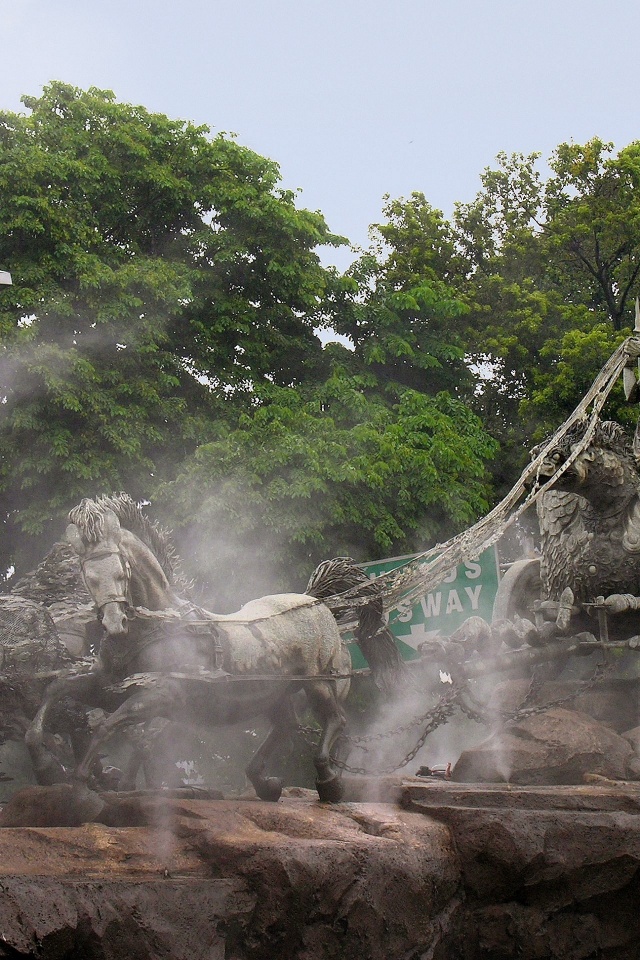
<point>449,872</point>
<point>221,879</point>
<point>547,872</point>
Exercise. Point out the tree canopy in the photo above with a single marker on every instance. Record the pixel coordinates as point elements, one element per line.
<point>160,336</point>
<point>546,268</point>
<point>149,264</point>
<point>552,271</point>
<point>329,470</point>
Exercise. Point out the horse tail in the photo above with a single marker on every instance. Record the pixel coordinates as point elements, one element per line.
<point>331,579</point>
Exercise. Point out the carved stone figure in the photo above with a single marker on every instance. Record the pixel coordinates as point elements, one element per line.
<point>590,519</point>
<point>267,651</point>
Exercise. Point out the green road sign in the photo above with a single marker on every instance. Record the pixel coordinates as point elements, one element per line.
<point>466,591</point>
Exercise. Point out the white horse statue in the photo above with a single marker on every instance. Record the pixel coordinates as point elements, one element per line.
<point>262,655</point>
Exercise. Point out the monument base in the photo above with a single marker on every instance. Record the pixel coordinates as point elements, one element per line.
<point>439,869</point>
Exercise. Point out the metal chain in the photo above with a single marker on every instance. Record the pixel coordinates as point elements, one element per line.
<point>457,698</point>
<point>481,714</point>
<point>432,719</point>
<point>403,728</point>
<point>439,715</point>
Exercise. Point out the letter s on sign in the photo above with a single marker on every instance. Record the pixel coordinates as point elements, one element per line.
<point>473,570</point>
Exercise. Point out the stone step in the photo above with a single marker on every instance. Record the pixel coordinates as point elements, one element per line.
<point>599,797</point>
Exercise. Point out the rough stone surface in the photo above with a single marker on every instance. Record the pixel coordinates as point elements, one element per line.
<point>558,746</point>
<point>547,872</point>
<point>633,737</point>
<point>440,871</point>
<point>216,879</point>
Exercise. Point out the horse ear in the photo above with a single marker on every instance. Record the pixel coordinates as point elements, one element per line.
<point>73,536</point>
<point>112,529</point>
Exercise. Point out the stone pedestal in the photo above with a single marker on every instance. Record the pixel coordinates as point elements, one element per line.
<point>440,870</point>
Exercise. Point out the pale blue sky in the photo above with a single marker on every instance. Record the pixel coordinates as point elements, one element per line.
<point>353,98</point>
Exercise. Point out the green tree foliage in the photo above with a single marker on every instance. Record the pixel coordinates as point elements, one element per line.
<point>592,227</point>
<point>330,468</point>
<point>383,457</point>
<point>160,337</point>
<point>158,274</point>
<point>540,273</point>
<point>405,318</point>
<point>552,268</point>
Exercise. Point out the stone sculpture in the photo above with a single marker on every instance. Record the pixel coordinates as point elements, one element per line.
<point>169,653</point>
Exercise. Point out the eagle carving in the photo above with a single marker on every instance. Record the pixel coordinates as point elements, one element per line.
<point>590,519</point>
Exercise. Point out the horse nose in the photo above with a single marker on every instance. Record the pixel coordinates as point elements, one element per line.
<point>114,619</point>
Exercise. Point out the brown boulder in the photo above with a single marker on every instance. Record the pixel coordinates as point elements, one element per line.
<point>633,766</point>
<point>556,746</point>
<point>60,805</point>
<point>550,873</point>
<point>633,737</point>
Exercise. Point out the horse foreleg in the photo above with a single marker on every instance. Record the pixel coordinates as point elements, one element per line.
<point>283,722</point>
<point>141,706</point>
<point>82,687</point>
<point>143,756</point>
<point>324,701</point>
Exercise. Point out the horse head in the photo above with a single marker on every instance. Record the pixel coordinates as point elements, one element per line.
<point>106,571</point>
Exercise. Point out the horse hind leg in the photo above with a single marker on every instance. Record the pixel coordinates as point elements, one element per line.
<point>324,702</point>
<point>283,722</point>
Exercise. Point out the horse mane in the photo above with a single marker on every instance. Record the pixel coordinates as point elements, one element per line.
<point>89,516</point>
<point>332,578</point>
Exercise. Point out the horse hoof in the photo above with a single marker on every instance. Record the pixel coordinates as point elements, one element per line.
<point>111,778</point>
<point>269,789</point>
<point>330,791</point>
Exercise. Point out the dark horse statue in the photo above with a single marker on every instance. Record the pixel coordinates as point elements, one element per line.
<point>195,665</point>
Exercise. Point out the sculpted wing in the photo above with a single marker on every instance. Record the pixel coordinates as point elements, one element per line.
<point>562,532</point>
